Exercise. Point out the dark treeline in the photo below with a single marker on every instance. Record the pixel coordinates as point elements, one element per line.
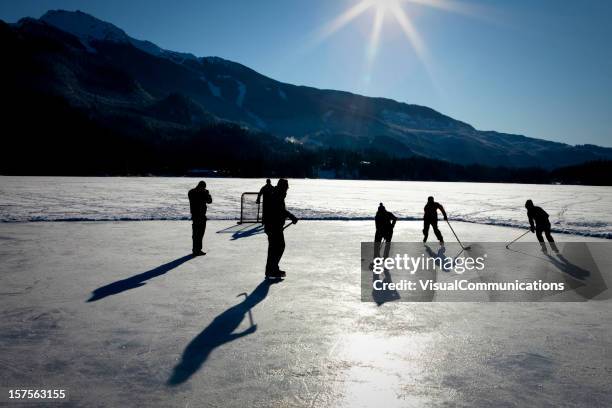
<point>48,137</point>
<point>596,173</point>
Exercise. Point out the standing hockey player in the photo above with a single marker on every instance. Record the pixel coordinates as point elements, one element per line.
<point>199,197</point>
<point>385,222</point>
<point>274,222</point>
<point>431,218</point>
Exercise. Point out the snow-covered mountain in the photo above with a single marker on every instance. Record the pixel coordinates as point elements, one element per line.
<point>88,29</point>
<point>100,66</point>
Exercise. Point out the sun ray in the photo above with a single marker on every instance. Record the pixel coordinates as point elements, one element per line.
<point>456,7</point>
<point>344,18</point>
<point>408,28</point>
<point>445,5</point>
<point>375,36</point>
<point>417,43</point>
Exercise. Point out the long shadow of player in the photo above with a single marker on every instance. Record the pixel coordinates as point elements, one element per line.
<point>136,280</point>
<point>585,280</point>
<point>441,257</point>
<point>386,295</point>
<point>590,282</point>
<point>219,332</point>
<point>560,262</point>
<point>569,268</point>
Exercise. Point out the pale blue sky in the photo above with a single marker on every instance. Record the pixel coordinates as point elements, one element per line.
<point>542,68</point>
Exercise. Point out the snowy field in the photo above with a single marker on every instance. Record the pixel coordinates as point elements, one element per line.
<point>582,210</point>
<point>117,314</point>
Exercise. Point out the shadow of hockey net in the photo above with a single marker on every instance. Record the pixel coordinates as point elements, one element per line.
<point>250,209</point>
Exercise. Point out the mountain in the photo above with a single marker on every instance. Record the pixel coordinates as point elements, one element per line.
<point>115,79</point>
<point>90,29</point>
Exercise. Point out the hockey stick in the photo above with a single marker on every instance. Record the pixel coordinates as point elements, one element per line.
<point>512,242</point>
<point>250,314</point>
<point>463,247</point>
<point>287,226</point>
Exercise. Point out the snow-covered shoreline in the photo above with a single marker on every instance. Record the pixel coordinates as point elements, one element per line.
<point>578,210</point>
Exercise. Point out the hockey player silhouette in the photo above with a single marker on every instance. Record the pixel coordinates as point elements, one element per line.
<point>385,222</point>
<point>274,221</point>
<point>430,218</point>
<point>539,223</point>
<point>199,197</point>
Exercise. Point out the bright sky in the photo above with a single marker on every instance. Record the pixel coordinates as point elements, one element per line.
<point>542,68</point>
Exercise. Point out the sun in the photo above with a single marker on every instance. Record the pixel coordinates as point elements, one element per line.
<point>382,9</point>
<point>396,10</point>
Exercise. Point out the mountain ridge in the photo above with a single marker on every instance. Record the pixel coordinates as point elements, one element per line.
<point>114,71</point>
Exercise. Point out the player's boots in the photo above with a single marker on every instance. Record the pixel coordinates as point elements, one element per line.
<point>275,274</point>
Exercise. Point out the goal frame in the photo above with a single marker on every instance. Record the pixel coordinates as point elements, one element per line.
<point>242,213</point>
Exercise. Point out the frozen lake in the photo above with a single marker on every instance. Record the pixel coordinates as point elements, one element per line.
<point>583,210</point>
<point>119,315</point>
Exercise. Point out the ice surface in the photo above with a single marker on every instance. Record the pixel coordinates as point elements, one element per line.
<point>178,332</point>
<point>583,210</point>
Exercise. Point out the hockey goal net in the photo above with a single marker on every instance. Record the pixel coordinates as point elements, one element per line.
<point>250,209</point>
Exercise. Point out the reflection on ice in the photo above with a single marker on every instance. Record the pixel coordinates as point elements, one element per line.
<point>384,370</point>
